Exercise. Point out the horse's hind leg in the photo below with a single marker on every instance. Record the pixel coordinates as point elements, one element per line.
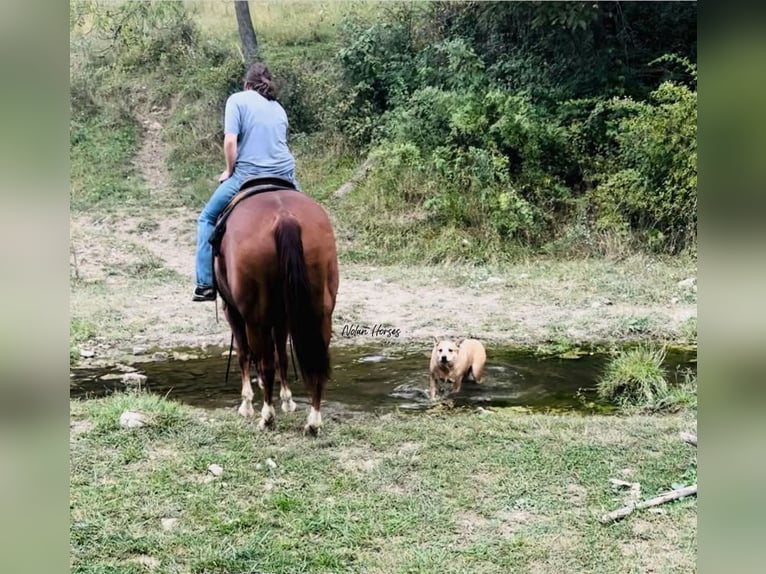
<point>262,345</point>
<point>317,384</point>
<point>243,355</point>
<point>280,340</point>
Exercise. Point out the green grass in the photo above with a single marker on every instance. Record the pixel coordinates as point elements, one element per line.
<point>435,492</point>
<point>635,378</point>
<point>101,153</point>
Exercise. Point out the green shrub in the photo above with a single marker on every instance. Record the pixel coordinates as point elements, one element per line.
<point>653,189</point>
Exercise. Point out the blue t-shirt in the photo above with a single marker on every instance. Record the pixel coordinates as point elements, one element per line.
<point>261,129</point>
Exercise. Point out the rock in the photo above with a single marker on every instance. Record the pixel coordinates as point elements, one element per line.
<point>258,466</point>
<point>136,379</point>
<point>270,463</point>
<point>482,411</point>
<point>110,377</point>
<point>160,356</point>
<point>215,470</point>
<point>124,368</point>
<point>133,420</point>
<point>87,353</point>
<point>169,523</point>
<point>137,350</point>
<point>180,356</point>
<point>371,359</point>
<point>494,281</point>
<point>690,283</point>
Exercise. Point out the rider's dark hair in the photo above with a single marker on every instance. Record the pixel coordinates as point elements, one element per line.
<point>258,78</point>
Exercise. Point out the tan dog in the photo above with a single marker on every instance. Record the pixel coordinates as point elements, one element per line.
<point>454,361</point>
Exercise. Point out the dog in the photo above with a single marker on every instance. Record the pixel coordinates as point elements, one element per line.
<point>455,361</point>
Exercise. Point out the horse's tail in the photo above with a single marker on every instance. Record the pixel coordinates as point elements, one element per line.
<point>304,320</point>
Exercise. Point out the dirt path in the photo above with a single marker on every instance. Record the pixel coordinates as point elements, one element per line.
<point>136,278</point>
<point>133,280</point>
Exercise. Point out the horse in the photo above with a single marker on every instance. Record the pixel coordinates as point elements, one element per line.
<point>276,270</point>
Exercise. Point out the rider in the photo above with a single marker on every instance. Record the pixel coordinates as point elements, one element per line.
<point>255,143</point>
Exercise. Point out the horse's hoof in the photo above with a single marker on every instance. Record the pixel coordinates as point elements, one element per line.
<point>264,425</point>
<point>288,406</point>
<point>246,410</point>
<point>311,430</point>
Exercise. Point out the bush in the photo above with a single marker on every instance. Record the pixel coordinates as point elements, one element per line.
<point>653,188</point>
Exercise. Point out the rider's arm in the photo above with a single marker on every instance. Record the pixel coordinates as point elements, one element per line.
<point>230,151</point>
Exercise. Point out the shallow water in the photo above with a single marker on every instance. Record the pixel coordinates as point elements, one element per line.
<point>374,379</point>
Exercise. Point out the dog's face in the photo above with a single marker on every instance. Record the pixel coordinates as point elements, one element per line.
<point>446,352</point>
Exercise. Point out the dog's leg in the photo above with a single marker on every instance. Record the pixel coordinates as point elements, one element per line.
<point>457,385</point>
<point>432,387</point>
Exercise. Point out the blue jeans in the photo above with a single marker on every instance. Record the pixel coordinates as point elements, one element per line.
<point>209,216</point>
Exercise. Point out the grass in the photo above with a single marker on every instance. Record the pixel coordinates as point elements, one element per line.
<point>101,152</point>
<point>437,492</point>
<point>635,378</point>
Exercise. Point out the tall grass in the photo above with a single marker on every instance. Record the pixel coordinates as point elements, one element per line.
<point>635,378</point>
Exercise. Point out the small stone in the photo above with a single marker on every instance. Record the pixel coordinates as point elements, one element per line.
<point>482,411</point>
<point>258,466</point>
<point>674,300</point>
<point>270,463</point>
<point>169,523</point>
<point>136,379</point>
<point>137,350</point>
<point>689,283</point>
<point>124,368</point>
<point>215,470</point>
<point>110,377</point>
<point>87,353</point>
<point>133,420</point>
<point>160,356</point>
<point>493,281</point>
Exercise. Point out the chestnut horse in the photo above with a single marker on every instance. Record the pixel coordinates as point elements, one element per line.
<point>277,273</point>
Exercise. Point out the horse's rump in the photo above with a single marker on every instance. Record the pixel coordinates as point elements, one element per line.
<point>277,274</point>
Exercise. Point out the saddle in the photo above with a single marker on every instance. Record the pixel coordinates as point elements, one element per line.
<point>251,186</point>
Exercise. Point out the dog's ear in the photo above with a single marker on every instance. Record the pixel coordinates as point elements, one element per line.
<point>435,339</point>
<point>459,341</point>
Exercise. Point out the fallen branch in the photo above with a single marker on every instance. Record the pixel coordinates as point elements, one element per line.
<point>688,437</point>
<point>656,501</point>
<point>358,176</point>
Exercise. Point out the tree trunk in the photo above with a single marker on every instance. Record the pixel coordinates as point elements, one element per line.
<point>246,32</point>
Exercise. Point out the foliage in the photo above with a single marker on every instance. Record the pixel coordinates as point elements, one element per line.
<point>526,157</point>
<point>566,128</point>
<point>653,188</point>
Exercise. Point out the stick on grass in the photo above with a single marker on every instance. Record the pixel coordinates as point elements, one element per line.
<point>656,501</point>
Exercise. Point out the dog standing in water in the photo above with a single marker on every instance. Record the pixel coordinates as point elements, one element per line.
<point>454,361</point>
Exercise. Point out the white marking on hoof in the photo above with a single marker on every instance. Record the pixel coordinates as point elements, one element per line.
<point>260,383</point>
<point>246,409</point>
<point>314,422</point>
<point>288,405</point>
<point>267,417</point>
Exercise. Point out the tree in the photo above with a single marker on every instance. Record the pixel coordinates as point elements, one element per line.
<point>246,31</point>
